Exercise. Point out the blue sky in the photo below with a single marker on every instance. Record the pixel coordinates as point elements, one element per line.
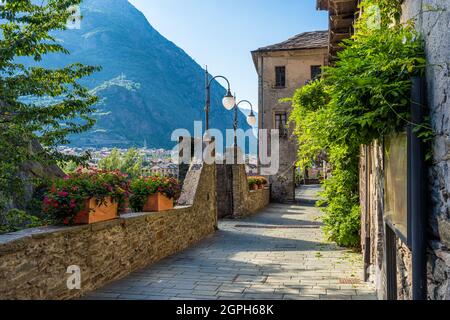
<point>221,33</point>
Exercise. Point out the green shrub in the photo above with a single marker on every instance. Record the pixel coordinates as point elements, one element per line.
<point>16,220</point>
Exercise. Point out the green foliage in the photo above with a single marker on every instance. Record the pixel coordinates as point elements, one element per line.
<point>131,163</point>
<point>143,187</point>
<point>16,220</point>
<point>25,33</point>
<point>68,167</point>
<point>363,97</point>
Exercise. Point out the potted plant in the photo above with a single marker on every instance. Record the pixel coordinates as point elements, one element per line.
<point>86,197</point>
<point>252,183</point>
<point>154,194</point>
<point>264,182</point>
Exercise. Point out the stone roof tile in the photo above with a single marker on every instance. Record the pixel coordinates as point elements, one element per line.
<point>305,40</point>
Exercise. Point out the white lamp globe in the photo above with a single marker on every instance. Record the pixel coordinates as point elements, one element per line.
<point>251,120</point>
<point>228,101</point>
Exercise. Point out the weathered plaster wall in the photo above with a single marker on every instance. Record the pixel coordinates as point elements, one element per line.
<point>298,71</point>
<point>33,263</point>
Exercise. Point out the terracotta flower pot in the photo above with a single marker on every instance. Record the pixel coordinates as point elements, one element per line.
<point>254,187</point>
<point>158,202</point>
<point>93,212</point>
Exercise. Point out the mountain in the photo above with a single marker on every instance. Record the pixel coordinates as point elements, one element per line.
<point>148,86</point>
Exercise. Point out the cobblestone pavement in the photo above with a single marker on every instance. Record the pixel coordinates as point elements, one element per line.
<point>278,254</point>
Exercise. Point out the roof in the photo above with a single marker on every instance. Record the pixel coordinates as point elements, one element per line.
<point>305,40</point>
<point>342,14</point>
<point>322,4</point>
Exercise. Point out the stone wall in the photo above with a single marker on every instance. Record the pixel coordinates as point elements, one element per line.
<point>33,263</point>
<point>372,209</point>
<point>246,202</point>
<point>432,19</point>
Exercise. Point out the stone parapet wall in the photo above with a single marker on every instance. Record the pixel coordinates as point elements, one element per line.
<point>257,200</point>
<point>33,263</point>
<point>246,202</point>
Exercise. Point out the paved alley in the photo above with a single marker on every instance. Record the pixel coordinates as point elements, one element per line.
<point>278,254</point>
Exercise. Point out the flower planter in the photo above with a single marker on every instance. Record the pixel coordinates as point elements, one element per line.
<point>94,212</point>
<point>254,187</point>
<point>158,202</point>
<point>126,206</point>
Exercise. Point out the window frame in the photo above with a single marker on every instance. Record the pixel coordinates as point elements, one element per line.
<point>281,117</point>
<point>280,82</point>
<point>318,74</point>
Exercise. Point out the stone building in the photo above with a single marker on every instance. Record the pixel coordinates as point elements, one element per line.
<point>409,261</point>
<point>165,170</point>
<point>282,68</point>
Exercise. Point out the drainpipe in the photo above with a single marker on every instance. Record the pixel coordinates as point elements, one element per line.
<point>417,200</point>
<point>367,216</point>
<point>261,104</point>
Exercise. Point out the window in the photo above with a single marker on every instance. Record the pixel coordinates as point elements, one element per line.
<point>396,183</point>
<point>280,123</point>
<point>280,77</point>
<point>316,71</point>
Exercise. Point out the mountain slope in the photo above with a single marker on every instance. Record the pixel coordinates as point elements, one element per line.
<point>148,86</point>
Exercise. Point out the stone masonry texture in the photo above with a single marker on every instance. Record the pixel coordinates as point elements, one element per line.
<point>33,263</point>
<point>432,20</point>
<point>246,202</point>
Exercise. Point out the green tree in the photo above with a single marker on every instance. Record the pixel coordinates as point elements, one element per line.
<point>37,104</point>
<point>130,163</point>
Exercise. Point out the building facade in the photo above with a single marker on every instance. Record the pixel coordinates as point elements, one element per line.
<point>165,170</point>
<point>282,68</point>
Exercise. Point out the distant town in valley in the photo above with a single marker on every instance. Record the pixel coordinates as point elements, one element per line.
<point>155,161</point>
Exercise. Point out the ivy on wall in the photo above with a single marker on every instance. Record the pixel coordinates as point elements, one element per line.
<point>363,97</point>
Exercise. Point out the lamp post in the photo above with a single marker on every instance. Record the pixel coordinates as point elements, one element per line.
<point>251,119</point>
<point>227,101</point>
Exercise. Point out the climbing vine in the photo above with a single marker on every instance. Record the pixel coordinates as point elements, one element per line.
<point>363,97</point>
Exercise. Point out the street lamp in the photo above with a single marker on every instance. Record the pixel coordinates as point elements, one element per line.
<point>251,119</point>
<point>228,100</point>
